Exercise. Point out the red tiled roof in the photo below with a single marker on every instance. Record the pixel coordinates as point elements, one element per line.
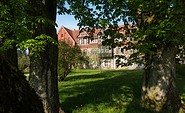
<point>72,33</point>
<point>75,33</point>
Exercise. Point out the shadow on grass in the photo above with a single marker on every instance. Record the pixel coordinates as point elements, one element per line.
<point>118,88</point>
<point>91,74</point>
<point>83,77</point>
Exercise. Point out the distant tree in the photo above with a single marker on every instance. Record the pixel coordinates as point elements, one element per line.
<point>68,58</point>
<point>157,27</point>
<point>23,59</point>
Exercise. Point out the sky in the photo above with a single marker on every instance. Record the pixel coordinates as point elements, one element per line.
<point>69,22</point>
<point>66,21</point>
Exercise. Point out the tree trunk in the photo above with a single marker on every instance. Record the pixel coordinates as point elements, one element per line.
<point>43,69</point>
<point>159,91</point>
<point>11,56</point>
<point>43,78</point>
<point>16,95</point>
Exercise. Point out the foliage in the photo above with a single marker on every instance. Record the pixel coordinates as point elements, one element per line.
<point>180,58</point>
<point>109,91</point>
<point>61,7</point>
<point>160,23</point>
<point>12,23</point>
<point>180,69</point>
<point>16,27</point>
<point>37,44</point>
<point>68,57</point>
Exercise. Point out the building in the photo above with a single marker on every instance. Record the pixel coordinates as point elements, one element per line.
<point>99,56</point>
<point>68,36</point>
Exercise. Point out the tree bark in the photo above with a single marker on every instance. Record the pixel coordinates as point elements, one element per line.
<point>159,91</point>
<point>43,69</point>
<point>16,95</point>
<point>11,56</point>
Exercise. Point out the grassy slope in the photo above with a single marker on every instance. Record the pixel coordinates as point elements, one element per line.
<point>109,91</point>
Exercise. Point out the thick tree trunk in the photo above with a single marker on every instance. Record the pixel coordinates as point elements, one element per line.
<point>43,78</point>
<point>11,56</point>
<point>43,69</point>
<point>159,91</point>
<point>16,95</point>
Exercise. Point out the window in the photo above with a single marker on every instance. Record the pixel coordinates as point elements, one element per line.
<point>62,36</point>
<point>95,40</point>
<point>119,51</point>
<point>102,51</point>
<point>85,41</point>
<point>107,50</point>
<point>93,51</point>
<point>80,41</point>
<point>106,64</point>
<point>131,51</point>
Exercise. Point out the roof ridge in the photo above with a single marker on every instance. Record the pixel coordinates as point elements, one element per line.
<point>70,33</point>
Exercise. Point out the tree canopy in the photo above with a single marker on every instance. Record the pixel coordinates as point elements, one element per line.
<point>16,27</point>
<point>162,18</point>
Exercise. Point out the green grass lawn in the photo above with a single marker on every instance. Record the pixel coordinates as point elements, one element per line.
<point>109,91</point>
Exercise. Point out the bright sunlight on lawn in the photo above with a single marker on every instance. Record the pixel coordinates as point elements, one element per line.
<point>109,91</point>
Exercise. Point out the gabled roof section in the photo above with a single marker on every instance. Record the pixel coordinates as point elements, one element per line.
<point>86,33</point>
<point>75,34</point>
<point>72,33</point>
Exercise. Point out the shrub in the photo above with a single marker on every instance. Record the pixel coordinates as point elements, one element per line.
<point>68,57</point>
